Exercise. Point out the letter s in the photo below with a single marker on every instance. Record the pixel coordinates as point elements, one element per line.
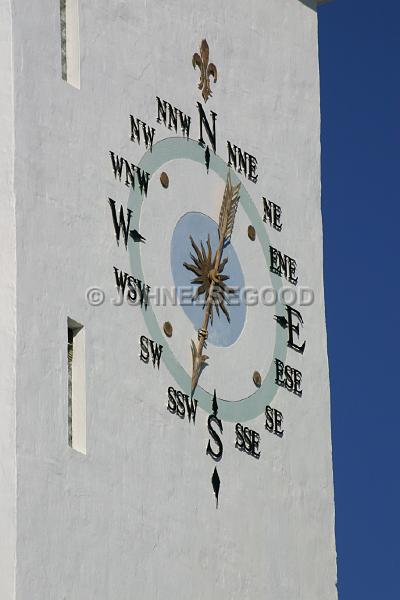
<point>215,436</point>
<point>144,350</point>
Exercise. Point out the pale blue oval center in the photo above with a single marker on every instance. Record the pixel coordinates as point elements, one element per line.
<point>198,225</point>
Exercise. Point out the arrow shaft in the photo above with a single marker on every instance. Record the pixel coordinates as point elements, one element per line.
<point>208,307</point>
<point>226,221</point>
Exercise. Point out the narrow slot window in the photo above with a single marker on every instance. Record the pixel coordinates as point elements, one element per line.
<point>76,387</point>
<point>70,51</point>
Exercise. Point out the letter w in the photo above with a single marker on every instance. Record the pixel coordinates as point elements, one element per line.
<point>185,123</point>
<point>191,407</point>
<point>120,278</point>
<point>148,133</point>
<point>117,163</point>
<point>121,223</point>
<point>156,351</point>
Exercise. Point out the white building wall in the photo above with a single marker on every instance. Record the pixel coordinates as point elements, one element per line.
<point>135,516</point>
<point>7,312</point>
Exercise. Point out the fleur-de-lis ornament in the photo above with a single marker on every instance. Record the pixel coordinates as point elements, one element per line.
<point>206,68</point>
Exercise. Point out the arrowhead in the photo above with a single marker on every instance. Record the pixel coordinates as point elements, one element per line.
<point>207,158</point>
<point>215,404</point>
<point>282,321</point>
<point>216,483</point>
<point>136,236</point>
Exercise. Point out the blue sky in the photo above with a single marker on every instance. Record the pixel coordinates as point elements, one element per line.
<point>360,89</point>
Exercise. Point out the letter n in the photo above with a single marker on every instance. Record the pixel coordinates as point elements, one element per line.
<point>204,123</point>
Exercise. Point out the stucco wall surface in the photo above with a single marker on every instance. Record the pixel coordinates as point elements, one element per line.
<point>7,312</point>
<point>135,517</point>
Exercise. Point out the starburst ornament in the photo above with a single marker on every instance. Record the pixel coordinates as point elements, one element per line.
<point>209,277</point>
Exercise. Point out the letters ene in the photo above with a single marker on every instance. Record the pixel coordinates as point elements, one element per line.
<point>283,265</point>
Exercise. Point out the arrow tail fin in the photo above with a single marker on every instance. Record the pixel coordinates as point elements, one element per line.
<point>199,361</point>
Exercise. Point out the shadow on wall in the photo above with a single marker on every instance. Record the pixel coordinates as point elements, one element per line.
<point>310,3</point>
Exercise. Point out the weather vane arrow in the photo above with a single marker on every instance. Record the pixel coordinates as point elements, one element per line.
<point>209,276</point>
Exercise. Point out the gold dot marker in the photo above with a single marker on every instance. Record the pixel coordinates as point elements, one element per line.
<point>168,329</point>
<point>164,180</point>
<point>251,232</point>
<point>257,379</point>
